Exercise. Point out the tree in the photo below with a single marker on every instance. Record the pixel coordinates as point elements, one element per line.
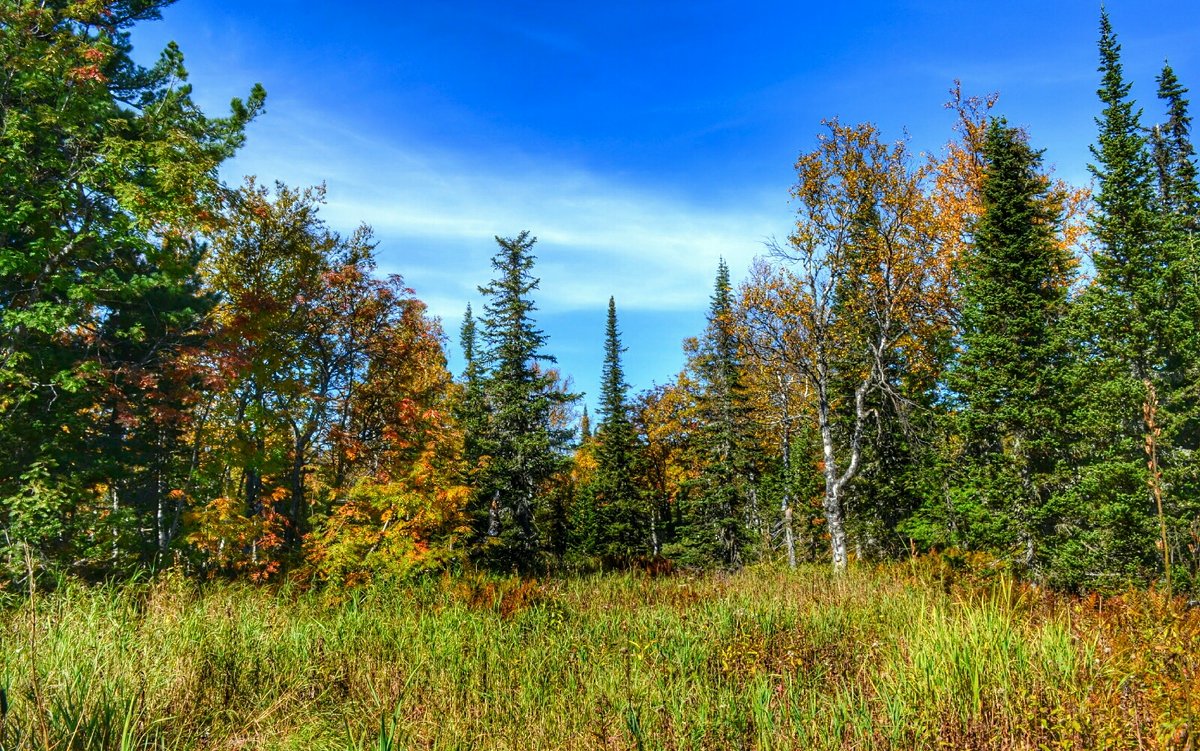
<point>1131,296</point>
<point>393,466</point>
<point>1177,435</point>
<point>300,319</point>
<point>471,412</point>
<point>666,424</point>
<point>621,521</point>
<point>1126,326</point>
<point>718,511</point>
<point>107,185</point>
<point>525,445</point>
<point>866,307</point>
<point>1174,155</point>
<point>1014,281</point>
<point>778,395</point>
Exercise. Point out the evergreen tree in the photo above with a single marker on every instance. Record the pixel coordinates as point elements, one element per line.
<point>714,524</point>
<point>1123,326</point>
<point>1174,155</point>
<point>622,527</point>
<point>1132,300</point>
<point>585,426</point>
<point>1015,280</point>
<point>471,412</point>
<point>1179,207</point>
<point>524,443</point>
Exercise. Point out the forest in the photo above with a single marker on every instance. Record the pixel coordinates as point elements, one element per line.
<point>952,352</point>
<point>930,476</point>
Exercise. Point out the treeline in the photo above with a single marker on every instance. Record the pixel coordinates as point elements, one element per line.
<point>953,352</point>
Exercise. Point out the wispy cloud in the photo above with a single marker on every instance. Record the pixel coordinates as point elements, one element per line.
<point>436,212</point>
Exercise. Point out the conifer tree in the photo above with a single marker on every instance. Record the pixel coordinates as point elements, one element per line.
<point>621,520</point>
<point>1179,208</point>
<point>469,341</point>
<point>525,445</point>
<point>1174,155</point>
<point>714,524</point>
<point>585,426</point>
<point>472,411</point>
<point>471,414</point>
<point>1131,300</point>
<point>582,528</point>
<point>1015,280</point>
<point>1124,333</point>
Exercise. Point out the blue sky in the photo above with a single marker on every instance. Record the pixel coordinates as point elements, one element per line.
<point>639,141</point>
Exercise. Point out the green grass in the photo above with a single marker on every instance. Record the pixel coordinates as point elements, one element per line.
<point>890,658</point>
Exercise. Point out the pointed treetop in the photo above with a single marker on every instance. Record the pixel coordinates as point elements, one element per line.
<point>469,341</point>
<point>1174,154</point>
<point>613,386</point>
<point>722,289</point>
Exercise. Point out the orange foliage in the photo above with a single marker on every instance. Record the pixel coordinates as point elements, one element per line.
<point>235,544</point>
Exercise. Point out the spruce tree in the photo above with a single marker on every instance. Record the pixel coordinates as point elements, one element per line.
<point>622,524</point>
<point>714,526</point>
<point>1123,327</point>
<point>1132,301</point>
<point>471,414</point>
<point>1015,279</point>
<point>1174,155</point>
<point>1179,197</point>
<point>523,441</point>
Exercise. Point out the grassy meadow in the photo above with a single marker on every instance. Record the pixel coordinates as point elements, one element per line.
<point>895,657</point>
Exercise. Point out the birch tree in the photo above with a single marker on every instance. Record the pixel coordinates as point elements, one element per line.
<point>858,305</point>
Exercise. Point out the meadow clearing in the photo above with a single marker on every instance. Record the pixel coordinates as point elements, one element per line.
<point>903,656</point>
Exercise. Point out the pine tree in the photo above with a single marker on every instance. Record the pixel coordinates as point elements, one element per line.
<point>525,445</point>
<point>622,524</point>
<point>715,528</point>
<point>1015,280</point>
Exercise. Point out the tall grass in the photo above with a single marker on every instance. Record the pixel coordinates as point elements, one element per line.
<point>887,658</point>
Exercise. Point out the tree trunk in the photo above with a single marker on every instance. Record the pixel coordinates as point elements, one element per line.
<point>494,515</point>
<point>835,520</point>
<point>116,534</point>
<point>789,537</point>
<point>654,546</point>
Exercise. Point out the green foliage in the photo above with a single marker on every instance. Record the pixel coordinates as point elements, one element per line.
<point>215,379</point>
<point>1008,379</point>
<point>1128,327</point>
<point>615,516</point>
<point>107,183</point>
<point>472,410</point>
<point>525,438</point>
<point>713,528</point>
